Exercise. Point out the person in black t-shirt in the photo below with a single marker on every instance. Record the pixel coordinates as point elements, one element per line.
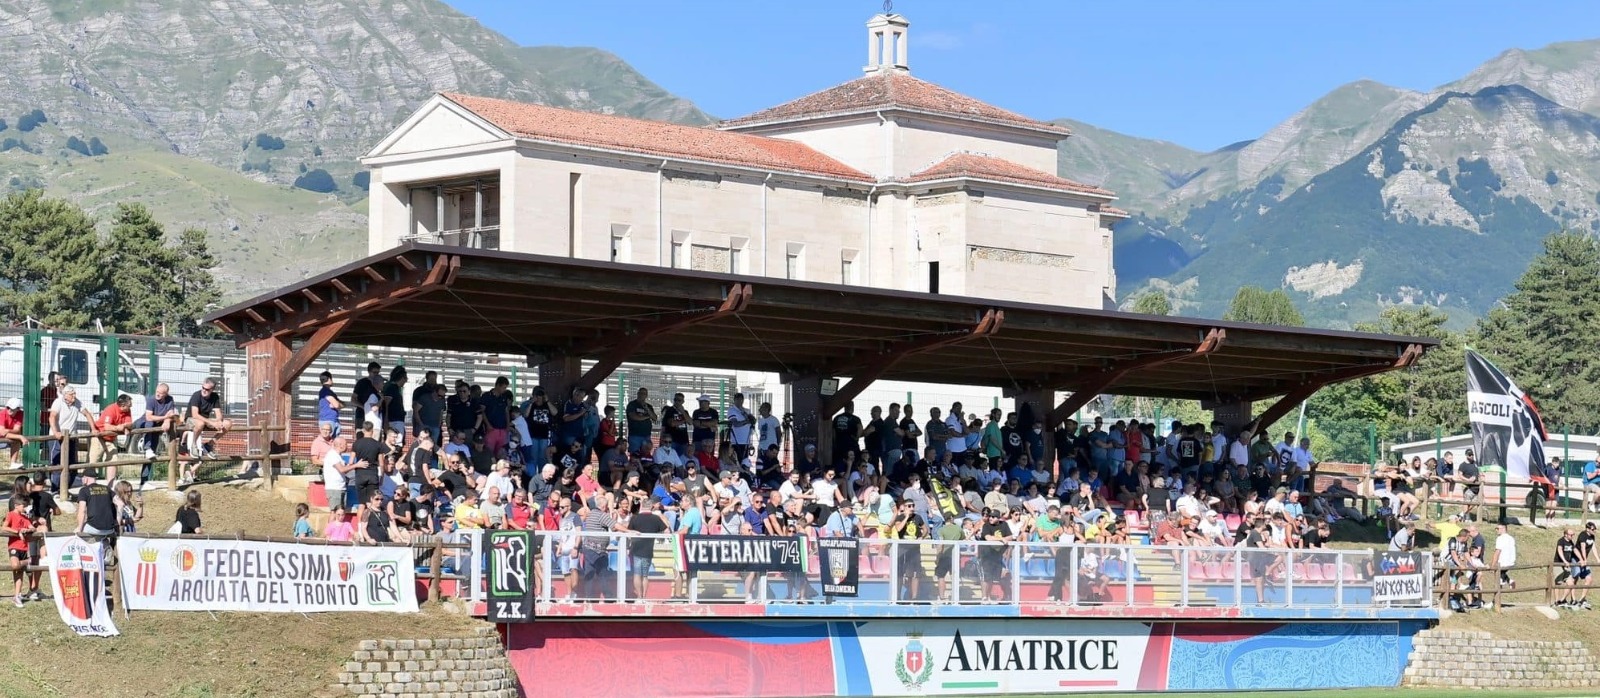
<point>97,509</point>
<point>675,424</point>
<point>991,555</point>
<point>402,513</point>
<point>189,514</point>
<point>463,411</point>
<point>369,454</point>
<point>392,404</point>
<point>846,432</point>
<point>205,412</point>
<point>1190,450</point>
<point>909,431</point>
<point>374,526</point>
<point>705,420</point>
<point>641,552</point>
<point>641,416</point>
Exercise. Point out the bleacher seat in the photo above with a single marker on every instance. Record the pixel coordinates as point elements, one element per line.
<point>1350,573</point>
<point>1330,571</point>
<point>1233,521</point>
<point>1214,571</point>
<point>1198,573</point>
<point>1135,518</point>
<point>1313,571</point>
<point>1299,571</point>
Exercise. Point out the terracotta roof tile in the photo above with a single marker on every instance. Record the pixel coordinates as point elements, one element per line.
<point>888,91</point>
<point>655,138</point>
<point>988,167</point>
<point>1113,212</point>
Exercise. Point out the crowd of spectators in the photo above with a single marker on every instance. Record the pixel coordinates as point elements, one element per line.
<point>463,457</point>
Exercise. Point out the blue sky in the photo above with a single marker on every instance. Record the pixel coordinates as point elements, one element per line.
<point>1201,73</point>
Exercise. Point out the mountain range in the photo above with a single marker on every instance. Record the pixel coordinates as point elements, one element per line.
<point>247,117</point>
<point>1370,196</point>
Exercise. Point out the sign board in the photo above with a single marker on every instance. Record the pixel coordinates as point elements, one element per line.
<point>841,565</point>
<point>511,592</point>
<point>744,554</point>
<point>238,575</point>
<point>1398,578</point>
<point>78,579</point>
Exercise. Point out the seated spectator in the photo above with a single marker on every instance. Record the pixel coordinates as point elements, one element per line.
<point>467,514</point>
<point>500,479</point>
<point>12,430</point>
<point>1228,496</point>
<point>493,509</point>
<point>302,521</point>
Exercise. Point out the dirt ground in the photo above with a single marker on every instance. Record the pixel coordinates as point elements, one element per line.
<point>195,655</point>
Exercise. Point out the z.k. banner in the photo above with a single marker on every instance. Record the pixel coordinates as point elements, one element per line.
<point>162,574</point>
<point>78,577</point>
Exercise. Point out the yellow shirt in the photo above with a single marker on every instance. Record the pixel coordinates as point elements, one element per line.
<point>468,516</point>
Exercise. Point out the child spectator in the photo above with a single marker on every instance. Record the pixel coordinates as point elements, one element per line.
<point>302,521</point>
<point>188,519</point>
<point>18,529</point>
<point>339,528</point>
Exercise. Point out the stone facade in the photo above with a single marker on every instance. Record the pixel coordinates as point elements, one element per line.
<point>1460,659</point>
<point>454,667</point>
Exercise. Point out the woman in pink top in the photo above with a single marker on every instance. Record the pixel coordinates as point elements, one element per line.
<point>339,527</point>
<point>588,483</point>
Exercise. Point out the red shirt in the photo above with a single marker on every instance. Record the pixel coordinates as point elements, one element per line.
<point>11,421</point>
<point>608,432</point>
<point>111,417</point>
<point>708,463</point>
<point>47,397</point>
<point>520,515</point>
<point>18,521</point>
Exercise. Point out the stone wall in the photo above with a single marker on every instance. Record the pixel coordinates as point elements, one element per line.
<point>455,667</point>
<point>1456,659</point>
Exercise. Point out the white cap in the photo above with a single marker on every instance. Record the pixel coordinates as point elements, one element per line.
<point>14,404</point>
<point>703,398</point>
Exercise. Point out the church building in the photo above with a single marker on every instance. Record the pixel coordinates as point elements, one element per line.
<point>887,181</point>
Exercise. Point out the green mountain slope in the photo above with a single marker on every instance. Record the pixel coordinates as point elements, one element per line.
<point>266,92</point>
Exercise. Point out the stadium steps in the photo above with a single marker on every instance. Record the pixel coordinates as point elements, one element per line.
<point>1163,572</point>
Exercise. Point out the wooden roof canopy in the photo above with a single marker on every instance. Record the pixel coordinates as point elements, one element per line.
<point>429,296</point>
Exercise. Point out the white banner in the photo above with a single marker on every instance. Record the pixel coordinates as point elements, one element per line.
<point>992,657</point>
<point>78,577</point>
<point>163,574</point>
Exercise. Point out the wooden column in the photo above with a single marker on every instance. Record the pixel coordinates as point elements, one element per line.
<point>270,399</point>
<point>558,376</point>
<point>810,424</point>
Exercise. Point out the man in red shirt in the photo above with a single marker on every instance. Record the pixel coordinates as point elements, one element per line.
<point>117,420</point>
<point>11,430</point>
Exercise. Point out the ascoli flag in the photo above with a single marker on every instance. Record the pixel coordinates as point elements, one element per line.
<point>163,574</point>
<point>78,577</point>
<point>1506,428</point>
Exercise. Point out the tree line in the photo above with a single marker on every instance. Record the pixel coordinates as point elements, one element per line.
<point>1545,335</point>
<point>57,269</point>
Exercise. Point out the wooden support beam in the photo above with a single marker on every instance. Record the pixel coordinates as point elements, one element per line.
<point>253,315</point>
<point>1087,387</point>
<point>863,373</point>
<point>311,296</point>
<point>375,296</point>
<point>269,399</point>
<point>1304,391</point>
<point>617,348</point>
<point>285,307</point>
<point>376,276</point>
<point>344,288</point>
<point>404,262</point>
<point>311,349</point>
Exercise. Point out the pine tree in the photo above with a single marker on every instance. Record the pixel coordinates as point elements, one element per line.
<point>1544,335</point>
<point>1152,303</point>
<point>197,287</point>
<point>51,265</point>
<point>144,283</point>
<point>1258,305</point>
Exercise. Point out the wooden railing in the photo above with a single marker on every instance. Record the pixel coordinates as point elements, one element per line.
<point>171,458</point>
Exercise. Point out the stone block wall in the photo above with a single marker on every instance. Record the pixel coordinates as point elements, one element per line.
<point>454,667</point>
<point>1462,659</point>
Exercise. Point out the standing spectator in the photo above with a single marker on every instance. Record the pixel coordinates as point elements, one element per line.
<point>496,408</point>
<point>428,410</point>
<point>370,455</point>
<point>769,429</point>
<point>114,420</point>
<point>65,414</point>
<point>19,530</point>
<point>47,396</point>
<point>1505,555</point>
<point>392,403</point>
<point>320,444</point>
<point>955,431</point>
<point>328,404</point>
<point>675,428</point>
<point>1585,554</point>
<point>1570,565</point>
<point>366,387</point>
<point>463,413</point>
<point>740,423</point>
<point>97,508</point>
<point>302,522</point>
<point>336,468</point>
<point>847,430</point>
<point>535,451</point>
<point>641,420</point>
<point>594,564</point>
<point>641,551</point>
<point>991,556</point>
<point>188,518</point>
<point>606,440</point>
<point>11,430</point>
<point>908,526</point>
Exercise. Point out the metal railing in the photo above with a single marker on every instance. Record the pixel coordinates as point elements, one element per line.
<point>484,238</point>
<point>577,567</point>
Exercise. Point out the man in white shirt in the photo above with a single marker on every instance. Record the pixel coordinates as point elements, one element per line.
<point>335,470</point>
<point>1239,450</point>
<point>1167,454</point>
<point>1286,449</point>
<point>955,426</point>
<point>1505,555</point>
<point>768,428</point>
<point>1219,442</point>
<point>1188,504</point>
<point>1301,458</point>
<point>739,423</point>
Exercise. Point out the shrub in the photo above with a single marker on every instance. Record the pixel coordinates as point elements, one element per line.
<point>316,180</point>
<point>266,142</point>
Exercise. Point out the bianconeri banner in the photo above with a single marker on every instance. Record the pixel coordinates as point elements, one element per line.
<point>1506,428</point>
<point>165,574</point>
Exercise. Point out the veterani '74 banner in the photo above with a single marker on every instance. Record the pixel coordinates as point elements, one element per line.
<point>163,574</point>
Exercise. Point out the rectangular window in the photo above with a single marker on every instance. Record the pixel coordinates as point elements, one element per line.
<point>847,271</point>
<point>574,206</point>
<point>74,364</point>
<point>735,257</point>
<point>677,255</point>
<point>791,266</point>
<point>933,277</point>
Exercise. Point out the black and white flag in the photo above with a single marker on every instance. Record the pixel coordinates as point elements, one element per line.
<point>1506,428</point>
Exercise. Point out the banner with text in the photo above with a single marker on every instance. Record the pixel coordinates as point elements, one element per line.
<point>164,574</point>
<point>934,657</point>
<point>511,593</point>
<point>1398,578</point>
<point>78,577</point>
<point>841,565</point>
<point>744,554</point>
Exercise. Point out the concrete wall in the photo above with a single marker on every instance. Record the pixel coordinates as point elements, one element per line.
<point>452,667</point>
<point>1463,659</point>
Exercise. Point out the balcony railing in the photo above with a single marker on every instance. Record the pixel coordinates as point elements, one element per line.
<point>485,238</point>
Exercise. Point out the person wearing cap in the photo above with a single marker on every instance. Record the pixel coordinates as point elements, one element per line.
<point>843,523</point>
<point>12,425</point>
<point>908,526</point>
<point>705,419</point>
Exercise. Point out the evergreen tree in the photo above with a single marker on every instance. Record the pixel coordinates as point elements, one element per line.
<point>51,269</point>
<point>197,287</point>
<point>1258,305</point>
<point>1152,303</point>
<point>144,293</point>
<point>1544,335</point>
